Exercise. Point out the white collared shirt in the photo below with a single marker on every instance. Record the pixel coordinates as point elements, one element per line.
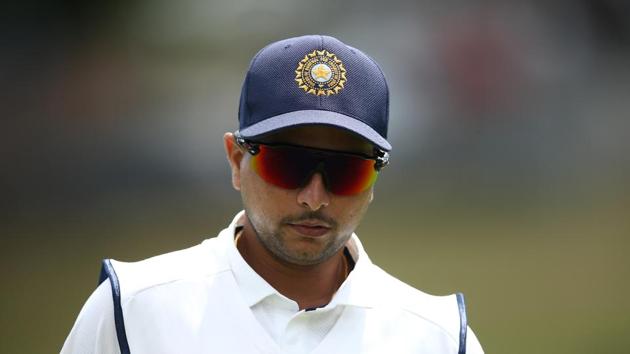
<point>207,299</point>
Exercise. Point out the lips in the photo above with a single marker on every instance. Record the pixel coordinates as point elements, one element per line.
<point>310,228</point>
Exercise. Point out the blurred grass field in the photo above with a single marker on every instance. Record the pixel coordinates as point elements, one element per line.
<point>549,277</point>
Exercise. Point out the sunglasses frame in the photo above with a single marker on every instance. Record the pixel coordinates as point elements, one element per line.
<point>380,156</point>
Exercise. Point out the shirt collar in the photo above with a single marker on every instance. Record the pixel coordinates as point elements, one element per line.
<point>355,291</point>
<point>253,287</point>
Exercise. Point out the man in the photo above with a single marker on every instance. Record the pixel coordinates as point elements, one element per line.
<point>288,275</point>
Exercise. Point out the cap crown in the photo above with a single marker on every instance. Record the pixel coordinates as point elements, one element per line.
<point>271,89</point>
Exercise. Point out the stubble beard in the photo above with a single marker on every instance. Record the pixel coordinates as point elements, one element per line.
<point>275,241</point>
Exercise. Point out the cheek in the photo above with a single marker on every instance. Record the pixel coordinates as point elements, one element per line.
<point>254,196</point>
<point>351,209</point>
<point>267,201</point>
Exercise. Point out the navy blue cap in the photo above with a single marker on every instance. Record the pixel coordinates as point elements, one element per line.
<point>314,80</point>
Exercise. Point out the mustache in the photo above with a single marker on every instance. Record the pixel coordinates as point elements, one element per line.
<point>311,215</point>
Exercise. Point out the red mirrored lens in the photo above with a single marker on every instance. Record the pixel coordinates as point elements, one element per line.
<point>350,175</point>
<point>282,166</point>
<point>291,167</point>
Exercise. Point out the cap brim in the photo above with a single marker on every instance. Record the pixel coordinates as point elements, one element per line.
<point>305,117</point>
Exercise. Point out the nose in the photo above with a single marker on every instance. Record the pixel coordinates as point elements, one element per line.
<point>314,194</point>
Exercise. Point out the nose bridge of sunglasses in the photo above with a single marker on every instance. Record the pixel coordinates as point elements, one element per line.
<point>319,167</point>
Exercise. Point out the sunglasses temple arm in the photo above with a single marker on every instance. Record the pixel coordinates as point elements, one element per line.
<point>252,148</point>
<point>382,159</point>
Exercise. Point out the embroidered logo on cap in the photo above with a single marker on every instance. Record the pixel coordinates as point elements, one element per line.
<point>320,73</point>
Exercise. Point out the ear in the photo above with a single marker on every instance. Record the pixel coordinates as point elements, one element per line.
<point>234,155</point>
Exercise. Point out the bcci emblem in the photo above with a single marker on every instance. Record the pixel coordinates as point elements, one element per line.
<point>321,73</point>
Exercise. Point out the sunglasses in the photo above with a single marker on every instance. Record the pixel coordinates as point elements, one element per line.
<point>290,166</point>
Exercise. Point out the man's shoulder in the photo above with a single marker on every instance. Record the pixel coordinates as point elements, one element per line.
<point>393,293</point>
<point>204,260</point>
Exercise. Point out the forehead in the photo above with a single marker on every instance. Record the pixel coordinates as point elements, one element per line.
<point>322,137</point>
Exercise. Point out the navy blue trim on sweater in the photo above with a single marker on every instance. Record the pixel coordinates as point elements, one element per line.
<point>463,326</point>
<point>107,271</point>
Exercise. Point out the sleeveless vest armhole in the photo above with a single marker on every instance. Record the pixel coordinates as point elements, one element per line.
<point>108,272</point>
<point>463,326</point>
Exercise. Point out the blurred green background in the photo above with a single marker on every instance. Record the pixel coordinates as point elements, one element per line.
<point>509,179</point>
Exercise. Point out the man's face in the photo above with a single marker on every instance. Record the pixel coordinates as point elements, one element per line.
<point>306,225</point>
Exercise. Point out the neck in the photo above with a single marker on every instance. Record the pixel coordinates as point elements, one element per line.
<point>308,285</point>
